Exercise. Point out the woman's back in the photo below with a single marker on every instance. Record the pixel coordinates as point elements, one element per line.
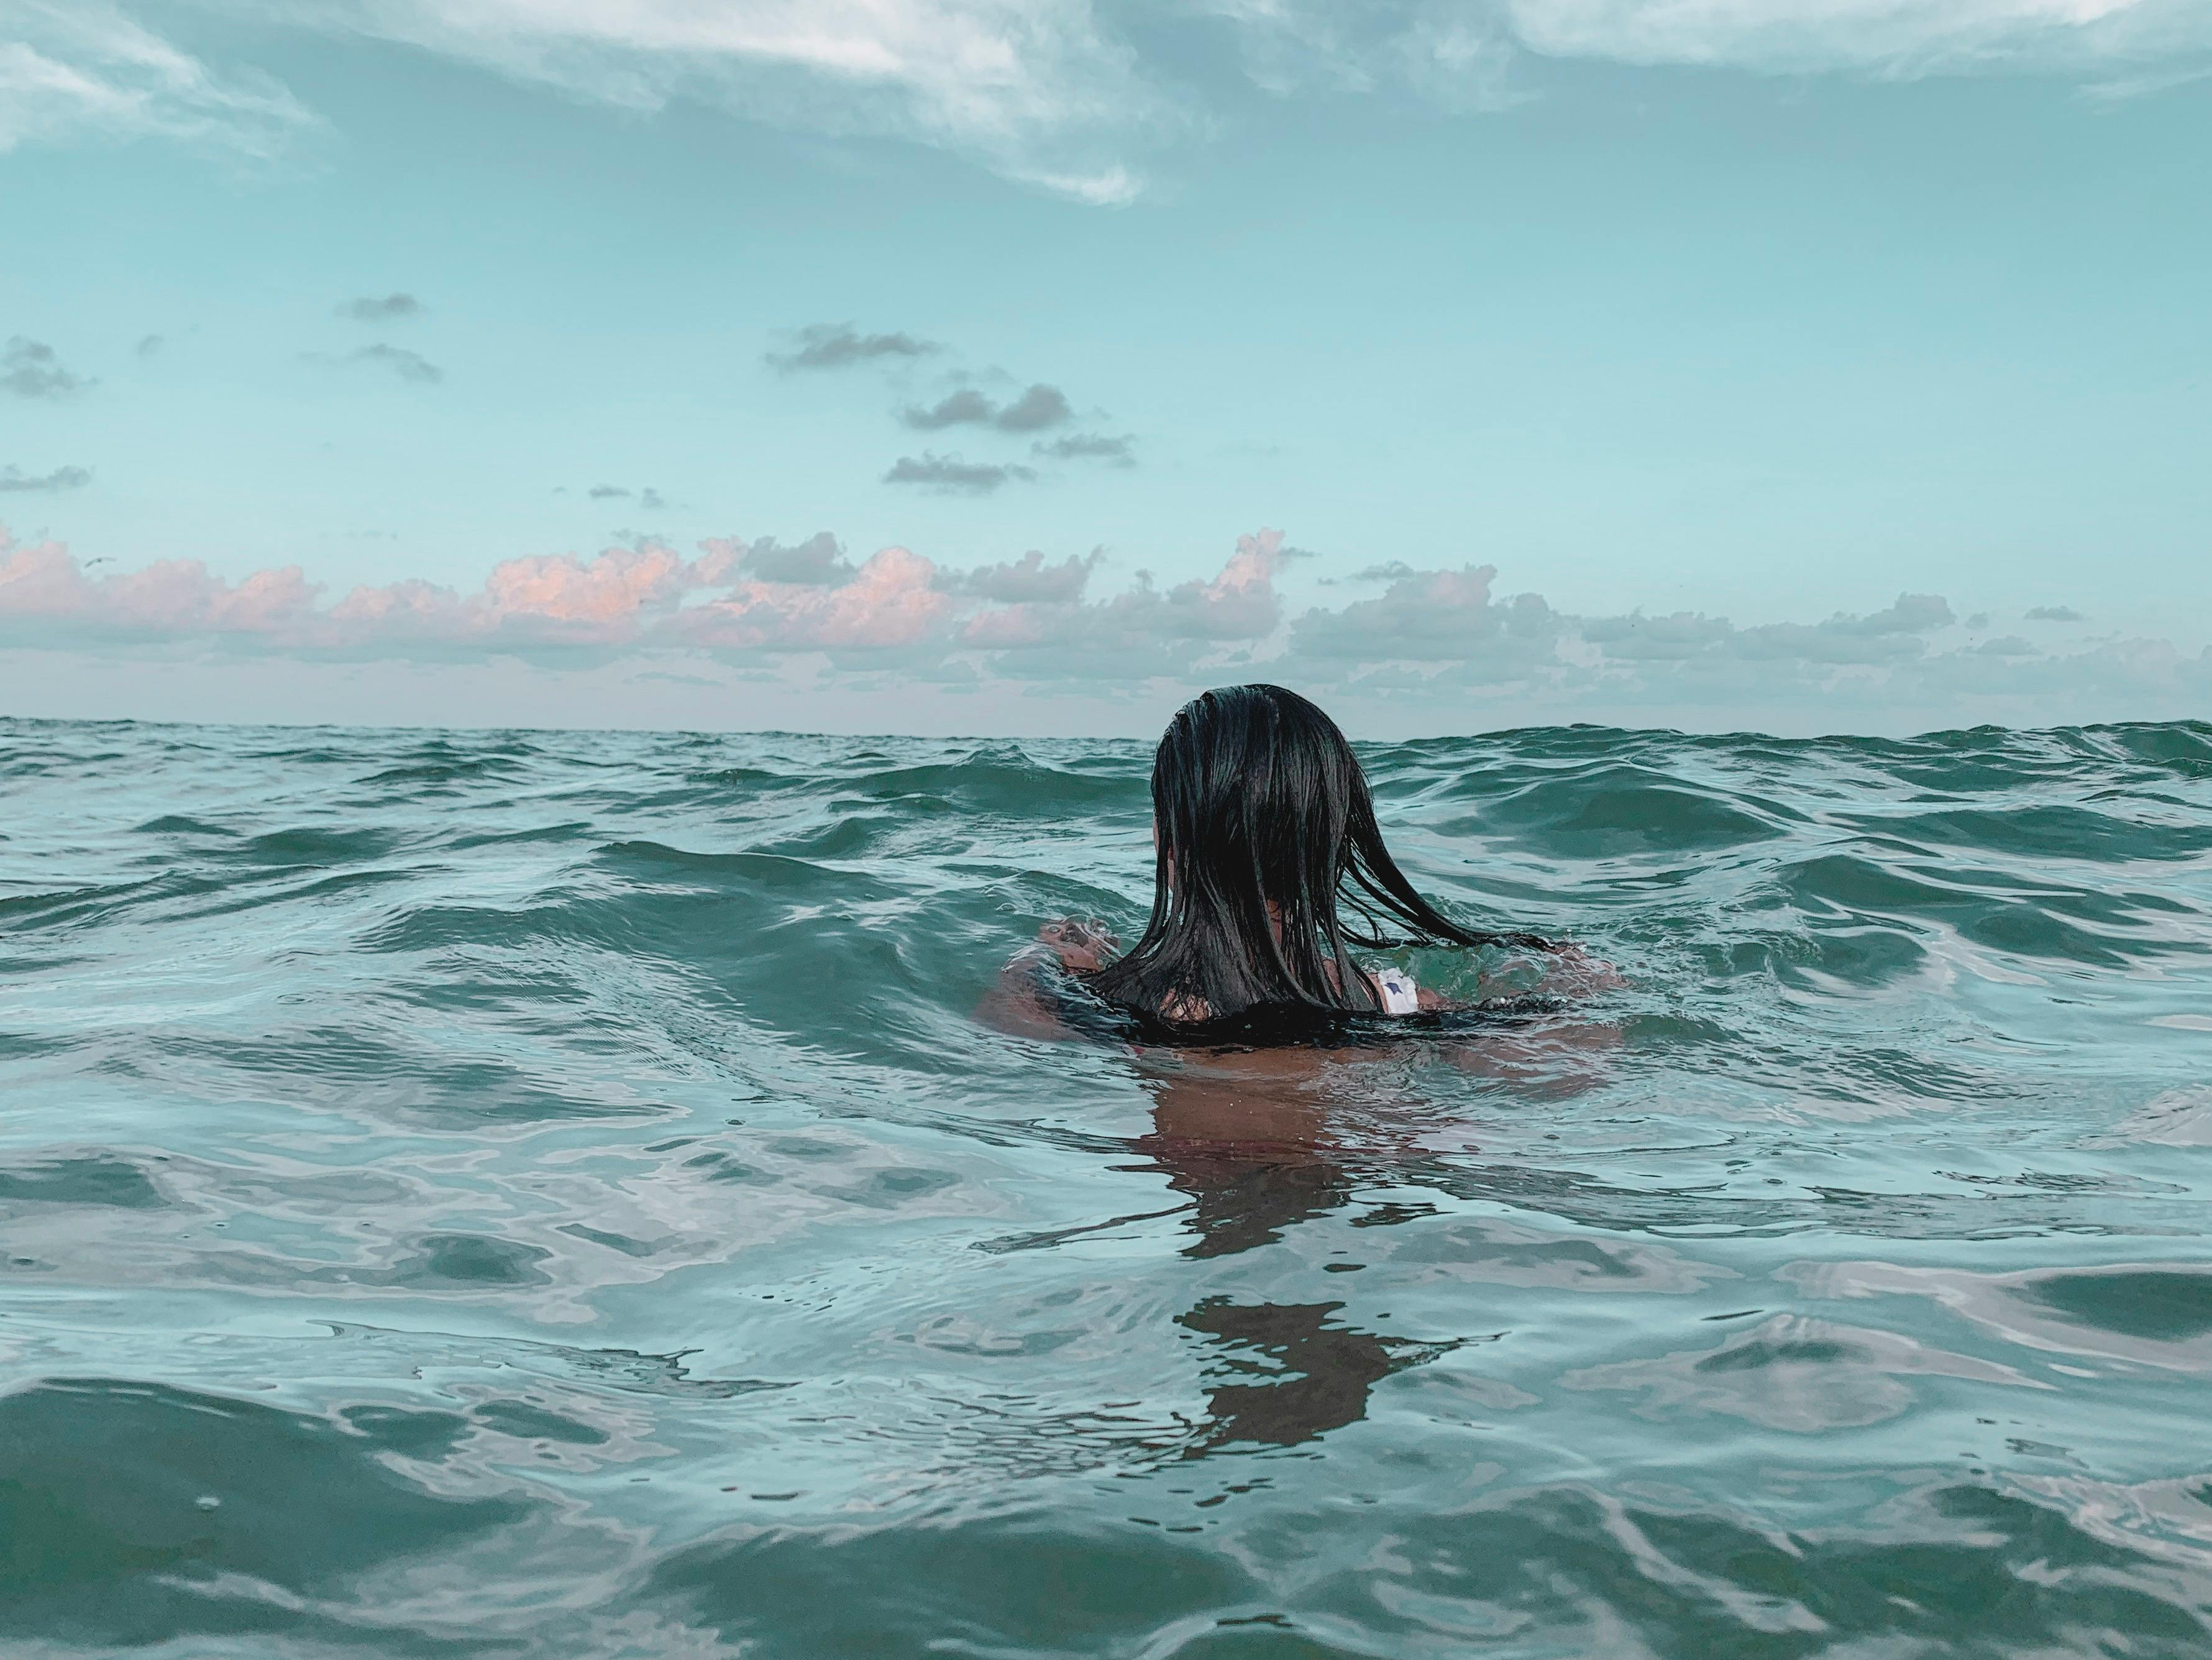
<point>1269,867</point>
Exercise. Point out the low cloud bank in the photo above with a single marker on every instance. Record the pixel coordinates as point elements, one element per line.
<point>1426,638</point>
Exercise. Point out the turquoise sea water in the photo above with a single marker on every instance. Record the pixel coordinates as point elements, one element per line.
<point>545,1195</point>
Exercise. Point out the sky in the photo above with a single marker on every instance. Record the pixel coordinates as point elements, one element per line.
<point>1023,366</point>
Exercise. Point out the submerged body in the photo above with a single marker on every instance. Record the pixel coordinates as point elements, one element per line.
<point>1264,838</point>
<point>1243,992</point>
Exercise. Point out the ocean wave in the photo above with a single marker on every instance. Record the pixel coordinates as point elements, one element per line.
<point>548,1193</point>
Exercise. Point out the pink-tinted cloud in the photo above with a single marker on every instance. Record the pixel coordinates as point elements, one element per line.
<point>733,596</point>
<point>1441,638</point>
<point>399,611</point>
<point>39,580</point>
<point>1144,630</point>
<point>892,600</point>
<point>1240,604</point>
<point>40,584</point>
<point>603,601</point>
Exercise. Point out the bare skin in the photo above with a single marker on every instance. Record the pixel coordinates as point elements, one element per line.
<point>1277,1103</point>
<point>1014,1004</point>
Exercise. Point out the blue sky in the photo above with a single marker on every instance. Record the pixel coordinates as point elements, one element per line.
<point>1700,328</point>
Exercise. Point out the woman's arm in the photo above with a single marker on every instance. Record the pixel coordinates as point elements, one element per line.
<point>1016,1003</point>
<point>1553,1058</point>
<point>1568,971</point>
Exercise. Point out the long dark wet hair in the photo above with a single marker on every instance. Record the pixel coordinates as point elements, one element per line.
<point>1258,800</point>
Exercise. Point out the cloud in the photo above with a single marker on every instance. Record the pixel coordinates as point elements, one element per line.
<point>382,308</point>
<point>1040,407</point>
<point>61,478</point>
<point>1114,186</point>
<point>80,69</point>
<point>1427,616</point>
<point>1881,36</point>
<point>1463,56</point>
<point>649,499</point>
<point>817,561</point>
<point>1439,640</point>
<point>1145,632</point>
<point>29,368</point>
<point>1638,638</point>
<point>1893,634</point>
<point>1030,580</point>
<point>2055,614</point>
<point>838,345</point>
<point>1476,55</point>
<point>1062,95</point>
<point>1088,447</point>
<point>891,601</point>
<point>410,366</point>
<point>149,346</point>
<point>1883,637</point>
<point>1451,623</point>
<point>967,407</point>
<point>951,473</point>
<point>735,596</point>
<point>1041,90</point>
<point>45,596</point>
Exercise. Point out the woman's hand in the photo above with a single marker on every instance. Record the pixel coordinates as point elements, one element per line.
<point>1015,1004</point>
<point>1080,942</point>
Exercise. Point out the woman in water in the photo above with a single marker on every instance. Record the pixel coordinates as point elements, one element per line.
<point>1265,839</point>
<point>1255,1029</point>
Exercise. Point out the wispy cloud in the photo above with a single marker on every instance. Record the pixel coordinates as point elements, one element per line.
<point>1477,55</point>
<point>1042,90</point>
<point>839,345</point>
<point>382,308</point>
<point>1932,36</point>
<point>30,368</point>
<point>409,366</point>
<point>1064,95</point>
<point>81,69</point>
<point>61,478</point>
<point>950,472</point>
<point>2055,614</point>
<point>648,498</point>
<point>1088,447</point>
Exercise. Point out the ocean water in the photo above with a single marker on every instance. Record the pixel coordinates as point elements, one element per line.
<point>545,1195</point>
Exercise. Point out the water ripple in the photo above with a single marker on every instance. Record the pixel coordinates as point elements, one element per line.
<point>545,1195</point>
